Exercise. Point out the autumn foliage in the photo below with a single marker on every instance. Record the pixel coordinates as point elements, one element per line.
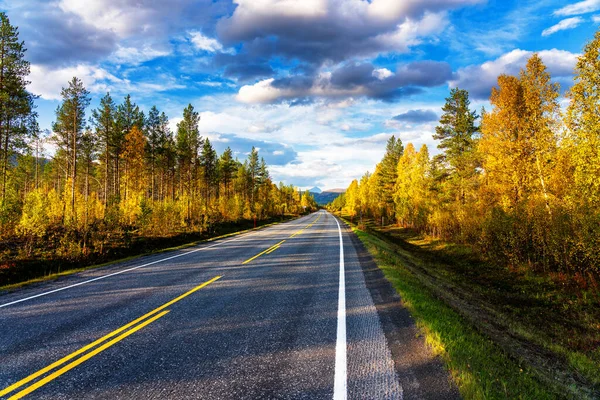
<point>118,178</point>
<point>523,185</point>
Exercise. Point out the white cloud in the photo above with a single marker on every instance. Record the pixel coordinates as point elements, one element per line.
<point>136,55</point>
<point>48,82</point>
<point>565,24</point>
<point>410,32</point>
<point>123,18</point>
<point>596,19</point>
<point>263,127</point>
<point>343,28</point>
<point>349,80</point>
<point>289,8</point>
<point>204,43</point>
<point>382,73</point>
<point>582,7</point>
<point>479,79</point>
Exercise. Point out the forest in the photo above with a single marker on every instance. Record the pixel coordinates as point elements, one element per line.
<point>520,182</point>
<point>117,177</point>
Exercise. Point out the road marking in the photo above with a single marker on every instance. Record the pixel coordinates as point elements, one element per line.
<point>50,367</point>
<point>272,249</point>
<point>263,252</point>
<point>276,246</point>
<point>86,357</point>
<point>340,387</point>
<point>116,273</point>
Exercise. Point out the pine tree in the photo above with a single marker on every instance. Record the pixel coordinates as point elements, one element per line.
<point>127,116</point>
<point>227,167</point>
<point>103,119</point>
<point>388,173</point>
<point>188,143</point>
<point>17,118</point>
<point>153,146</point>
<point>457,135</point>
<point>69,125</point>
<point>208,163</point>
<point>89,152</point>
<point>254,173</point>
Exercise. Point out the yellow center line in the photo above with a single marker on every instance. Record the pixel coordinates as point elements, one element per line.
<point>276,246</point>
<point>102,339</point>
<point>84,358</point>
<point>263,252</point>
<point>272,249</point>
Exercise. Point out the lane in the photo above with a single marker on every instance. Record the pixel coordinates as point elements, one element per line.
<point>36,332</point>
<point>270,327</point>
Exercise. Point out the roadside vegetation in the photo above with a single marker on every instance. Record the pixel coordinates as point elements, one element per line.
<point>119,182</point>
<point>502,335</point>
<point>501,231</point>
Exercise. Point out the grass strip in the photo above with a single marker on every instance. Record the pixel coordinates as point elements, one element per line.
<point>480,368</point>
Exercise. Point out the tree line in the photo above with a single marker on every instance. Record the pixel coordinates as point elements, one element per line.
<point>118,169</point>
<point>521,181</point>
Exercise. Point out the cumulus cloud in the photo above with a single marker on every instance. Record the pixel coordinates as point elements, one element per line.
<point>478,80</point>
<point>205,43</point>
<point>565,24</point>
<point>316,31</point>
<point>126,18</point>
<point>581,7</point>
<point>135,55</point>
<point>53,37</point>
<point>349,81</point>
<point>48,81</point>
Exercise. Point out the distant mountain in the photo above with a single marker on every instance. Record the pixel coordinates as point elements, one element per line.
<point>315,190</point>
<point>327,196</point>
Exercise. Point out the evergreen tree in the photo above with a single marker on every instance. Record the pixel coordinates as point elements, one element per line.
<point>388,173</point>
<point>103,119</point>
<point>17,118</point>
<point>254,174</point>
<point>188,143</point>
<point>227,167</point>
<point>457,135</point>
<point>153,145</point>
<point>127,116</point>
<point>208,163</point>
<point>69,125</point>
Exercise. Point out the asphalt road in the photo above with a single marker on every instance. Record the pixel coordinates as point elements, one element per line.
<point>294,311</point>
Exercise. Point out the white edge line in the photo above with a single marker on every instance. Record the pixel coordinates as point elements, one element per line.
<point>117,273</point>
<point>340,387</point>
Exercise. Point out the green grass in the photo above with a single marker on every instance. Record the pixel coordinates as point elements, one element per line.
<point>479,365</point>
<point>54,276</point>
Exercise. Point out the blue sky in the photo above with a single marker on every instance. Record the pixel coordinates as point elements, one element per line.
<point>317,85</point>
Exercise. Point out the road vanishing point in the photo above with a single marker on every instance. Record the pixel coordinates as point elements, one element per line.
<point>293,311</point>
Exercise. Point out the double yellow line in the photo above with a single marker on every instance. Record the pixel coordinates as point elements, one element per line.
<point>102,344</point>
<point>78,357</point>
<point>277,245</point>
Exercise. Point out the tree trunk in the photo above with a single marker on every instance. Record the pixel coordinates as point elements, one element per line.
<point>543,183</point>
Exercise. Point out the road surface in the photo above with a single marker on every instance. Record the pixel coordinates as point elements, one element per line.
<point>293,311</point>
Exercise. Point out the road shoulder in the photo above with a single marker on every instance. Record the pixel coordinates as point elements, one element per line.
<point>421,373</point>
